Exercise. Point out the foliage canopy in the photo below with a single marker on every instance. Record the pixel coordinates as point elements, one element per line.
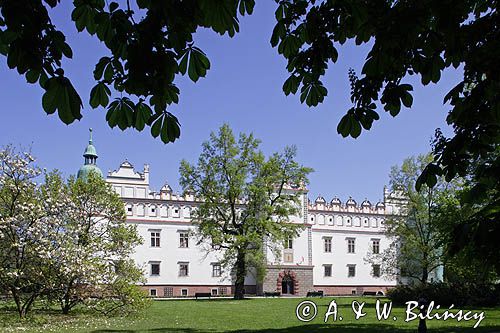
<point>247,200</point>
<point>67,242</point>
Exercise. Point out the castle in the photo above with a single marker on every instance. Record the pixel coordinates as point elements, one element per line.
<point>328,255</point>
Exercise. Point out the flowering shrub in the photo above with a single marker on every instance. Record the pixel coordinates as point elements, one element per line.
<point>63,240</point>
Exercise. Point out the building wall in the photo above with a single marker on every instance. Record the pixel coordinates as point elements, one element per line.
<point>169,214</point>
<point>302,277</point>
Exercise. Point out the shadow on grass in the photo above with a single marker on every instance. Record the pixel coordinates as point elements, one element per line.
<point>323,328</point>
<point>203,300</point>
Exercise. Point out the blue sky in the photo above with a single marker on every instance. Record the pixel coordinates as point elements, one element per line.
<point>243,88</point>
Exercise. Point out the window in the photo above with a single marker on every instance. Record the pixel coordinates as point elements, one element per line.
<point>152,292</point>
<point>183,269</point>
<point>183,239</point>
<point>351,270</point>
<point>376,246</point>
<point>140,210</point>
<point>155,238</point>
<point>327,244</point>
<point>168,292</point>
<point>215,292</point>
<point>350,245</point>
<point>129,208</point>
<point>289,243</point>
<point>155,268</point>
<point>376,270</point>
<point>328,270</point>
<point>184,292</point>
<point>288,257</point>
<point>216,270</point>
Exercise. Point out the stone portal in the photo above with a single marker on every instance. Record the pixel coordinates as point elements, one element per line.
<point>288,280</point>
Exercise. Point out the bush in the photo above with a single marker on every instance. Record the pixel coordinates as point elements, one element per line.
<point>446,294</point>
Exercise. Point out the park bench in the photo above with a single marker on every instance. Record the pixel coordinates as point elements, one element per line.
<point>271,294</point>
<point>369,293</point>
<point>315,293</point>
<point>200,295</point>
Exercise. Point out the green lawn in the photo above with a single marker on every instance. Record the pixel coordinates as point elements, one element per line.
<point>250,316</point>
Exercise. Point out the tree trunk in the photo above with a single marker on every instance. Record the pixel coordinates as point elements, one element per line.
<point>65,308</point>
<point>17,300</point>
<point>239,285</point>
<point>425,275</point>
<point>23,306</point>
<point>66,300</point>
<point>425,268</point>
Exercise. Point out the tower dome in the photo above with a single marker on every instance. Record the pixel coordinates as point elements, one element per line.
<point>90,156</point>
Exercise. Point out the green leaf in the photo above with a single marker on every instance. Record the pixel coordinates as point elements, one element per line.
<point>407,99</point>
<point>60,95</point>
<point>246,6</point>
<point>344,126</point>
<point>50,97</point>
<point>195,62</point>
<point>165,125</point>
<point>32,76</point>
<point>100,67</point>
<point>291,85</point>
<point>221,16</point>
<point>289,46</point>
<point>355,128</point>
<point>313,93</point>
<point>279,32</point>
<point>121,113</point>
<point>142,115</point>
<point>156,128</point>
<point>99,95</point>
<point>113,6</point>
<point>108,73</point>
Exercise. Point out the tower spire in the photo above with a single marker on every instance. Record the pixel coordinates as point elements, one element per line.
<point>90,156</point>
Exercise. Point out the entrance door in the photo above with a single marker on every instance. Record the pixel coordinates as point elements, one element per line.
<point>287,285</point>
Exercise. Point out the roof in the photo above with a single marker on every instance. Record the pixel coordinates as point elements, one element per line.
<point>90,151</point>
<point>85,171</point>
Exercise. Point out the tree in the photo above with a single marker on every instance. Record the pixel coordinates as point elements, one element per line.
<point>470,220</point>
<point>94,244</point>
<point>407,38</point>
<point>150,43</point>
<point>63,241</point>
<point>246,199</point>
<point>27,218</point>
<point>417,246</point>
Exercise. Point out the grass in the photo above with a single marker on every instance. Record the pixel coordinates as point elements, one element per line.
<point>248,316</point>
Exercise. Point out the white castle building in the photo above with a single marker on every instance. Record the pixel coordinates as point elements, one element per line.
<point>328,255</point>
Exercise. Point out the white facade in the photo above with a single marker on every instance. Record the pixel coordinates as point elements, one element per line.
<point>328,255</point>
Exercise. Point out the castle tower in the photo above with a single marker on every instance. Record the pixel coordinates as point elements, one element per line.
<point>90,156</point>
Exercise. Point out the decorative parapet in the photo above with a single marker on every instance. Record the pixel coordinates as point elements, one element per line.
<point>351,206</point>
